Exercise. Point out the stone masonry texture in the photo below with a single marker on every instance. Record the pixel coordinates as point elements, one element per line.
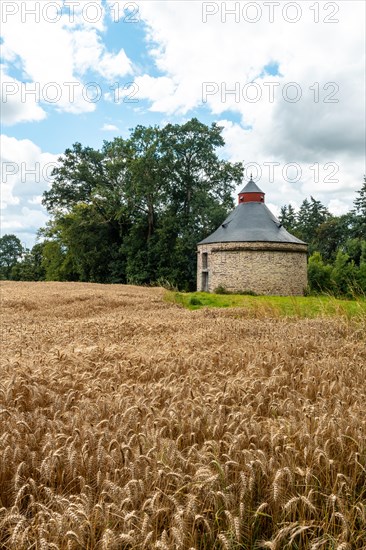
<point>263,267</point>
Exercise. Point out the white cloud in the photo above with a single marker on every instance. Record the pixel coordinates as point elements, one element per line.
<point>313,132</point>
<point>14,108</point>
<point>25,176</point>
<point>55,57</point>
<point>27,219</point>
<point>25,168</point>
<point>90,53</point>
<point>331,181</point>
<point>7,197</point>
<point>337,207</point>
<point>112,66</point>
<point>36,200</point>
<point>159,90</point>
<point>109,128</point>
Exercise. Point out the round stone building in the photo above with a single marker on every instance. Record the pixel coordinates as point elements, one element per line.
<point>252,251</point>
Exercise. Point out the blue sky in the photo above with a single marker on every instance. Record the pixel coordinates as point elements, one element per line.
<point>286,81</point>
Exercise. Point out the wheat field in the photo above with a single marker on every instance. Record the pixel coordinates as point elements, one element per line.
<point>127,422</point>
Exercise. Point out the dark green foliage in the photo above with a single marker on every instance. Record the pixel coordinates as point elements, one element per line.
<point>320,274</point>
<point>344,274</point>
<point>222,290</point>
<point>11,250</point>
<point>360,201</point>
<point>336,244</point>
<point>310,216</point>
<point>288,218</point>
<point>80,174</point>
<point>361,278</point>
<point>194,301</point>
<point>57,263</point>
<point>359,212</point>
<point>332,234</point>
<point>31,267</point>
<point>344,277</point>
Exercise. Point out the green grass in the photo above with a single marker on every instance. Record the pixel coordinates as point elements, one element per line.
<point>273,306</point>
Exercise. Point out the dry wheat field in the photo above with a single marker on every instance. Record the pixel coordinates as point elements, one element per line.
<point>127,422</point>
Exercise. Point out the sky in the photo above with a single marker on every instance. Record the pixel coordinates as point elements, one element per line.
<point>285,80</point>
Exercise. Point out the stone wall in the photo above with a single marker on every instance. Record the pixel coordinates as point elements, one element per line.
<point>265,268</point>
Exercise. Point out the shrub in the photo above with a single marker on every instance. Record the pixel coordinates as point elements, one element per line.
<point>344,274</point>
<point>194,301</point>
<point>319,274</point>
<point>221,290</point>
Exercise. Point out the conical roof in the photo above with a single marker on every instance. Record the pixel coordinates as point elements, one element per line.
<point>251,222</point>
<point>251,187</point>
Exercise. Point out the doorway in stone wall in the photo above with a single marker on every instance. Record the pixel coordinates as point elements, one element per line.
<point>204,285</point>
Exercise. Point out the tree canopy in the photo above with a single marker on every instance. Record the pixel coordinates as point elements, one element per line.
<point>11,251</point>
<point>134,211</point>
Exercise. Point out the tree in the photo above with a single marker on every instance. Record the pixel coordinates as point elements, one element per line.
<point>310,216</point>
<point>135,210</point>
<point>30,267</point>
<point>354,247</point>
<point>80,172</point>
<point>89,242</point>
<point>57,263</point>
<point>319,274</point>
<point>333,234</point>
<point>145,180</point>
<point>361,275</point>
<point>199,191</point>
<point>344,274</point>
<point>288,218</point>
<point>360,212</point>
<point>11,251</point>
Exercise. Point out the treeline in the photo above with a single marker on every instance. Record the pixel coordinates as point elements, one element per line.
<point>134,211</point>
<point>337,244</point>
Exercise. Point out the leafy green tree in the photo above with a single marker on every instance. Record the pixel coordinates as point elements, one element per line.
<point>319,274</point>
<point>353,247</point>
<point>344,274</point>
<point>11,251</point>
<point>359,212</point>
<point>361,275</point>
<point>363,253</point>
<point>145,179</point>
<point>333,234</point>
<point>79,174</point>
<point>194,173</point>
<point>360,201</point>
<point>57,263</point>
<point>310,216</point>
<point>30,267</point>
<point>90,243</point>
<point>135,210</point>
<point>199,191</point>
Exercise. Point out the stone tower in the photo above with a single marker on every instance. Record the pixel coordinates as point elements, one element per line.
<point>252,251</point>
